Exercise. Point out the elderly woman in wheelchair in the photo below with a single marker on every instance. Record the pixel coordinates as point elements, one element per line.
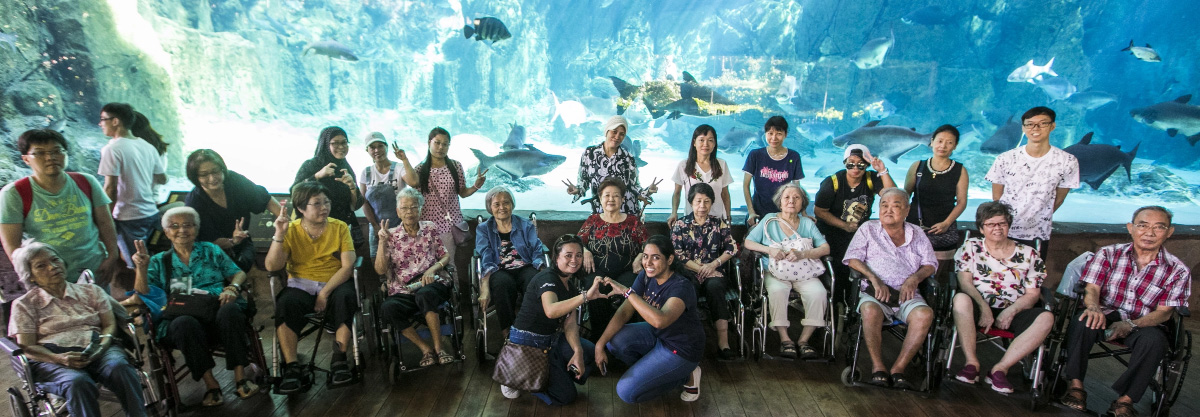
<point>999,283</point>
<point>703,245</point>
<point>894,257</point>
<point>197,269</point>
<point>66,330</point>
<point>414,261</point>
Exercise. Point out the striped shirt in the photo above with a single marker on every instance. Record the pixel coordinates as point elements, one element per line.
<point>1134,293</point>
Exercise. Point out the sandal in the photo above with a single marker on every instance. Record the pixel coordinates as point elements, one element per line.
<point>445,358</point>
<point>246,388</point>
<point>807,352</point>
<point>1075,398</point>
<point>788,350</point>
<point>213,398</point>
<point>341,372</point>
<point>428,359</point>
<point>1122,409</point>
<point>293,375</point>
<point>880,379</point>
<point>900,382</point>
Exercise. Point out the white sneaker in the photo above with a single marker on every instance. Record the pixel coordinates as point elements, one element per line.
<point>509,393</point>
<point>692,392</point>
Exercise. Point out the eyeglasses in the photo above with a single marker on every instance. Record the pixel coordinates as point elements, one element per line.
<point>339,143</point>
<point>407,208</point>
<point>1157,227</point>
<point>325,203</point>
<point>177,226</point>
<point>994,225</point>
<point>1041,125</point>
<point>48,154</point>
<point>860,165</point>
<point>105,119</point>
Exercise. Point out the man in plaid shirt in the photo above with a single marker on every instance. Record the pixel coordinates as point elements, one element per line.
<point>1132,288</point>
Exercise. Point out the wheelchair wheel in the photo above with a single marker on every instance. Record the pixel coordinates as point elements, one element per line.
<point>849,376</point>
<point>394,370</point>
<point>17,401</point>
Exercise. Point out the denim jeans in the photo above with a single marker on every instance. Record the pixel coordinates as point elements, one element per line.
<point>78,386</point>
<point>129,231</point>
<point>654,370</point>
<point>559,390</point>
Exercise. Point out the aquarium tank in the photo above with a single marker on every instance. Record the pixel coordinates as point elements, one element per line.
<point>256,81</point>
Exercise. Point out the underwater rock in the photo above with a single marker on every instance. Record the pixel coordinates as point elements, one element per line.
<point>35,98</point>
<point>1151,183</point>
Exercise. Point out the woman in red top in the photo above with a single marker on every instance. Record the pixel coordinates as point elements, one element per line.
<point>612,246</point>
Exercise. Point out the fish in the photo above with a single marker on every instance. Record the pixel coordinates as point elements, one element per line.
<point>10,40</point>
<point>739,141</point>
<point>1006,137</point>
<point>1058,88</point>
<point>487,29</point>
<point>969,132</point>
<point>1144,53</point>
<point>1175,117</point>
<point>871,54</point>
<point>815,131</point>
<point>830,168</point>
<point>1091,100</point>
<point>1098,162</point>
<point>880,109</point>
<point>572,112</point>
<point>788,88</point>
<point>700,108</point>
<point>634,147</point>
<point>888,142</point>
<point>1029,72</point>
<point>519,163</point>
<point>690,88</point>
<point>599,107</point>
<point>332,49</point>
<point>654,94</point>
<point>516,138</point>
<point>929,16</point>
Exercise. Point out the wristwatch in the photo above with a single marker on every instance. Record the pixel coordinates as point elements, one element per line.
<point>1132,325</point>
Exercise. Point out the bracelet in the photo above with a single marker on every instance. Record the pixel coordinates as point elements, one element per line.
<point>884,172</point>
<point>105,336</point>
<point>273,239</point>
<point>628,292</point>
<point>1132,325</point>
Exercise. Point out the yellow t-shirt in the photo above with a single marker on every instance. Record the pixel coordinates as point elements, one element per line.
<point>316,259</point>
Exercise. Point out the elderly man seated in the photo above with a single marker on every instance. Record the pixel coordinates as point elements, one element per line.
<point>895,257</point>
<point>1132,288</point>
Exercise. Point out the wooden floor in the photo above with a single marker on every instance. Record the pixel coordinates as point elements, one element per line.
<point>744,388</point>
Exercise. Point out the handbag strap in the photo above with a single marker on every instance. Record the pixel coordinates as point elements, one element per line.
<point>917,192</point>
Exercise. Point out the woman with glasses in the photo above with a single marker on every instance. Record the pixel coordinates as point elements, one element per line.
<point>185,268</point>
<point>939,190</point>
<point>225,201</point>
<point>328,166</point>
<point>844,202</point>
<point>510,255</point>
<point>442,183</point>
<point>319,256</point>
<point>547,320</point>
<point>999,282</point>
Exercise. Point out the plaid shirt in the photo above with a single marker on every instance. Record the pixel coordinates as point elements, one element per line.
<point>1165,281</point>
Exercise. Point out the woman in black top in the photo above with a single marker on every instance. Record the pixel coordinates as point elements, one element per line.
<point>225,201</point>
<point>547,319</point>
<point>329,167</point>
<point>939,189</point>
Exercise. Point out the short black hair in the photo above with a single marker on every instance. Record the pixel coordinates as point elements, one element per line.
<point>945,128</point>
<point>201,156</point>
<point>701,188</point>
<point>1160,209</point>
<point>306,190</point>
<point>122,112</point>
<point>991,209</point>
<point>40,137</point>
<point>776,122</point>
<point>1038,111</point>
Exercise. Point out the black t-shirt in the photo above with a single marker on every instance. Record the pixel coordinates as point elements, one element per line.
<point>242,197</point>
<point>847,203</point>
<point>685,337</point>
<point>532,317</point>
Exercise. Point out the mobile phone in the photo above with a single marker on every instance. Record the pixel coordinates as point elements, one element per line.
<point>91,350</point>
<point>574,370</point>
<point>604,368</point>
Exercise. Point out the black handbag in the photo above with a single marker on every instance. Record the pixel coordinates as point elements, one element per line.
<point>201,306</point>
<point>523,368</point>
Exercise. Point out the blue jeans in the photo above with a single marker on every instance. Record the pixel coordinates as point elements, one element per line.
<point>78,386</point>
<point>559,390</point>
<point>129,231</point>
<point>654,370</point>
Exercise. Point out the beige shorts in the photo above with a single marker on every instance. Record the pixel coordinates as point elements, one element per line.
<point>892,313</point>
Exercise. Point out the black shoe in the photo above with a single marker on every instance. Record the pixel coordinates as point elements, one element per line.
<point>292,382</point>
<point>726,354</point>
<point>340,368</point>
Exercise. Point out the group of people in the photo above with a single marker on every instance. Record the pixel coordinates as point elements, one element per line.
<point>612,264</point>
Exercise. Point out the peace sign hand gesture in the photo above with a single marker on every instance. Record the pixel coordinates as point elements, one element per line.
<point>141,259</point>
<point>282,221</point>
<point>238,234</point>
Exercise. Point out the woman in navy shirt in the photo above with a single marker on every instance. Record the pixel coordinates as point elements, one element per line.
<point>664,351</point>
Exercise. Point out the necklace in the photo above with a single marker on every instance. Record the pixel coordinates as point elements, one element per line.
<point>310,233</point>
<point>936,172</point>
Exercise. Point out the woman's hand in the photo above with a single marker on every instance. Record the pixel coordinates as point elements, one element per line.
<point>571,189</point>
<point>485,295</point>
<point>751,218</point>
<point>74,360</point>
<point>481,178</point>
<point>383,232</point>
<point>322,298</point>
<point>228,295</point>
<point>939,228</point>
<point>577,360</point>
<point>793,256</point>
<point>429,276</point>
<point>671,220</point>
<point>403,157</point>
<point>601,358</point>
<point>708,270</point>
<point>328,171</point>
<point>986,319</point>
<point>238,234</point>
<point>1005,318</point>
<point>141,259</point>
<point>345,178</point>
<point>589,264</point>
<point>282,221</point>
<point>617,288</point>
<point>653,188</point>
<point>594,292</point>
<point>775,253</point>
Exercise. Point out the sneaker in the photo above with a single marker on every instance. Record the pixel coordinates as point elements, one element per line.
<point>509,393</point>
<point>692,392</point>
<point>968,374</point>
<point>999,382</point>
<point>246,388</point>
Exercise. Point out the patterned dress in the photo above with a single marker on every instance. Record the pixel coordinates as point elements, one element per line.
<point>595,167</point>
<point>411,256</point>
<point>442,202</point>
<point>1000,281</point>
<point>613,245</point>
<point>702,242</point>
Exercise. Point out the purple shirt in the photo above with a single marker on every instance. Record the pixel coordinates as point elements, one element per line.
<point>892,264</point>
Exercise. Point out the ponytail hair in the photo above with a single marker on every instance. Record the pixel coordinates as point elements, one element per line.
<point>141,128</point>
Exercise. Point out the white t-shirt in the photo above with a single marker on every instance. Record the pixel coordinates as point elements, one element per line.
<point>719,184</point>
<point>1030,185</point>
<point>371,176</point>
<point>134,162</point>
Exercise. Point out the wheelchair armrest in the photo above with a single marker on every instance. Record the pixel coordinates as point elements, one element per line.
<point>1080,288</point>
<point>1183,311</point>
<point>10,346</point>
<point>358,262</point>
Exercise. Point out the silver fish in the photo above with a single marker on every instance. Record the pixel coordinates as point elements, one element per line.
<point>888,142</point>
<point>1175,117</point>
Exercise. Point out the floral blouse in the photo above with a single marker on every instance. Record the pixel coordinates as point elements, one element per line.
<point>613,245</point>
<point>411,256</point>
<point>595,167</point>
<point>1001,281</point>
<point>702,242</point>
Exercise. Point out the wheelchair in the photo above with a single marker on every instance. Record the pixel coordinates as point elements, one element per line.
<point>479,315</point>
<point>1167,382</point>
<point>29,400</point>
<point>737,305</point>
<point>316,324</point>
<point>391,342</point>
<point>1033,367</point>
<point>933,349</point>
<point>165,367</point>
<point>760,309</point>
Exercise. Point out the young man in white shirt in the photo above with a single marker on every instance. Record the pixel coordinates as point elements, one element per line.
<point>130,167</point>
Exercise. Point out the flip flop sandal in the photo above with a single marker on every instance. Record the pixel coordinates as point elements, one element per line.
<point>445,358</point>
<point>880,379</point>
<point>1076,399</point>
<point>1122,409</point>
<point>900,382</point>
<point>213,398</point>
<point>428,359</point>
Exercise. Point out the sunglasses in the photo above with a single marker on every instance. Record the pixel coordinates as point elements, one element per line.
<point>860,165</point>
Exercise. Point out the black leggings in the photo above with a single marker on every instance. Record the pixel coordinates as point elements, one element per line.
<point>293,304</point>
<point>408,310</point>
<point>193,337</point>
<point>506,285</point>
